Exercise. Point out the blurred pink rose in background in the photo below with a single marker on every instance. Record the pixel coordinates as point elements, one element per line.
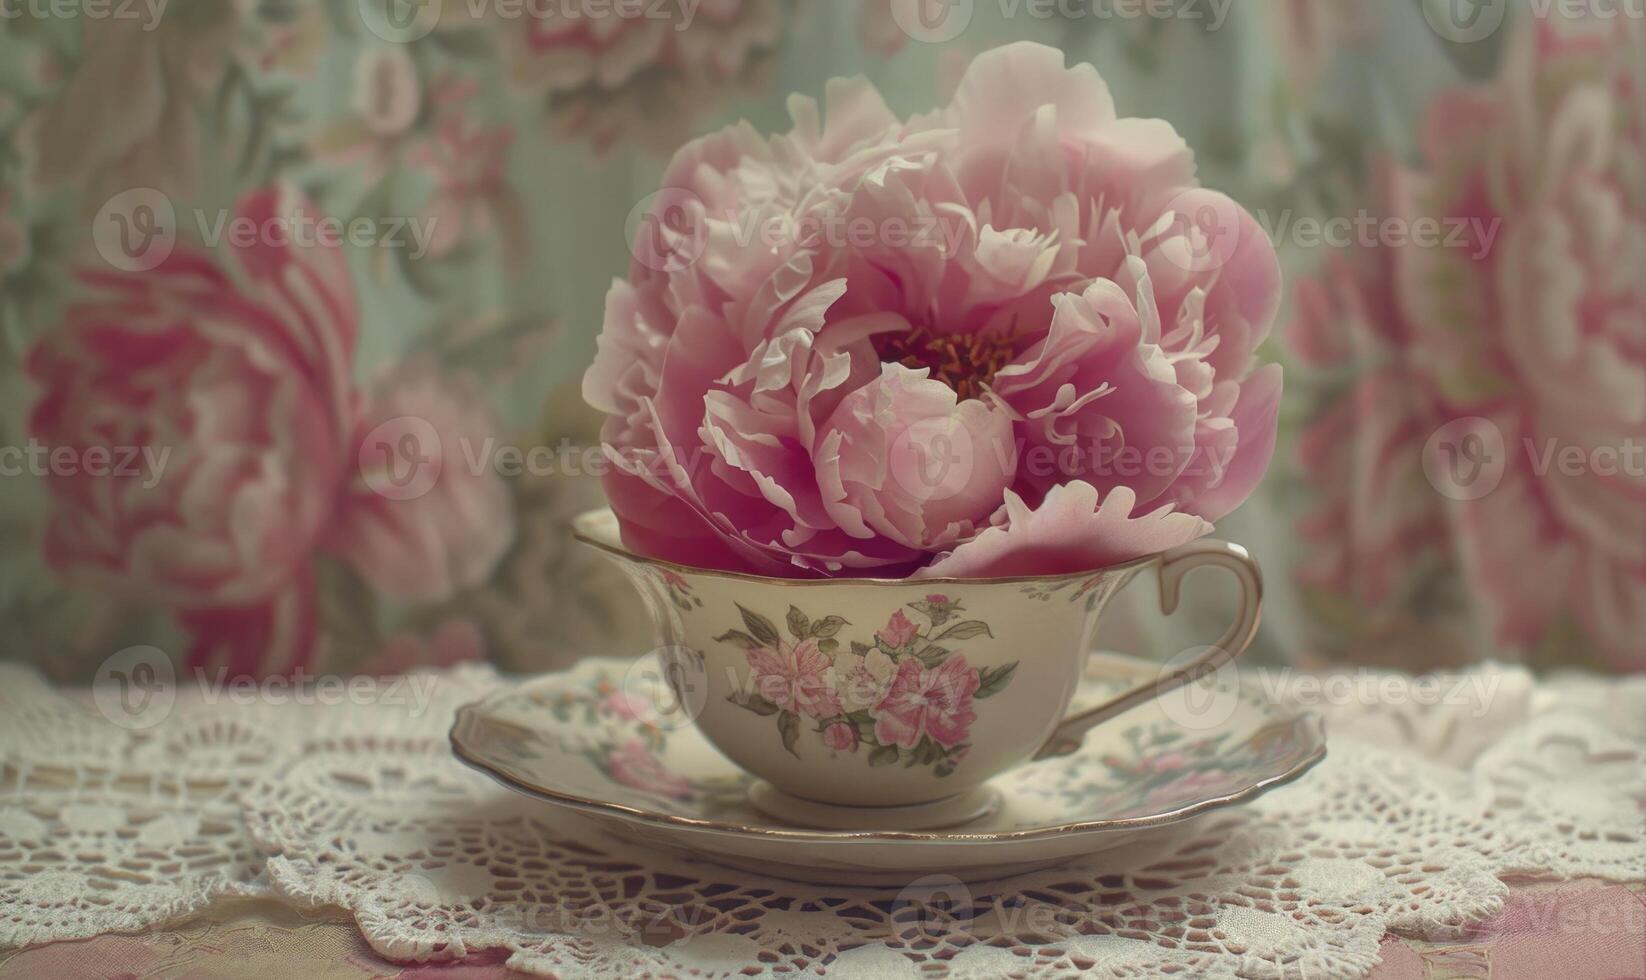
<point>1377,519</point>
<point>638,72</point>
<point>1541,331</point>
<point>428,545</point>
<point>877,27</point>
<point>870,345</point>
<point>232,384</point>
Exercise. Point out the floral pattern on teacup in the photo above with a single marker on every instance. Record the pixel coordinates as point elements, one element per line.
<point>908,697</point>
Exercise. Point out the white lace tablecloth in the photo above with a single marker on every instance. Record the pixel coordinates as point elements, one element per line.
<point>1411,826</point>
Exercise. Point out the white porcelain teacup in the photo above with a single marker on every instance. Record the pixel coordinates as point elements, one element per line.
<point>889,703</point>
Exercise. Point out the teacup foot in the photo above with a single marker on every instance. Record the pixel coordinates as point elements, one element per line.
<point>947,812</point>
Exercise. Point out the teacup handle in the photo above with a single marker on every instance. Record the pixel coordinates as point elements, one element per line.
<point>1174,565</point>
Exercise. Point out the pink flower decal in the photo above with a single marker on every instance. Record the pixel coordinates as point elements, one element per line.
<point>909,696</point>
<point>635,765</point>
<point>834,405</point>
<point>797,678</point>
<point>898,632</point>
<point>841,736</point>
<point>922,702</point>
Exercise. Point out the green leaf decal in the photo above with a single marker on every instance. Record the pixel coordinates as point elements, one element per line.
<point>886,755</point>
<point>965,631</point>
<point>799,625</point>
<point>828,626</point>
<point>788,725</point>
<point>759,626</point>
<point>754,703</point>
<point>933,655</point>
<point>740,638</point>
<point>994,680</point>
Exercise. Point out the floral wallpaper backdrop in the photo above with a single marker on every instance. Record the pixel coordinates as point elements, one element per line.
<point>295,296</point>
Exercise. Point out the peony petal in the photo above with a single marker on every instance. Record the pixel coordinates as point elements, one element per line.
<point>1005,86</point>
<point>1069,532</point>
<point>1215,487</point>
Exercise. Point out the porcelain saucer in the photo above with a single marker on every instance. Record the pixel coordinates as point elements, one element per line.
<point>577,739</point>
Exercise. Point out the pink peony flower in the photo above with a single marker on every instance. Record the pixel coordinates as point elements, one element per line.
<point>1540,331</point>
<point>923,701</point>
<point>634,765</point>
<point>1377,519</point>
<point>898,631</point>
<point>454,520</point>
<point>243,383</point>
<point>234,385</point>
<point>798,678</point>
<point>871,346</point>
<point>841,736</point>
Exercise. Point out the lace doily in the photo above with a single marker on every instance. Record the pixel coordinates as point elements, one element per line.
<point>1410,826</point>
